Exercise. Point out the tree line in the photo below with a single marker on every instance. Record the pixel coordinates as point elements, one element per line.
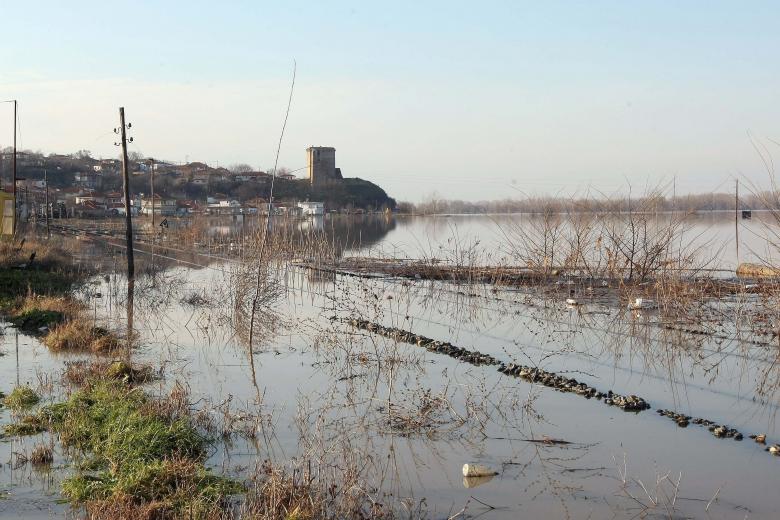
<point>653,202</point>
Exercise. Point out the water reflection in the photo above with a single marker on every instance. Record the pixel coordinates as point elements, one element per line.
<point>407,419</point>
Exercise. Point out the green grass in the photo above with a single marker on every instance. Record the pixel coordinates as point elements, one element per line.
<point>115,422</point>
<point>27,425</point>
<point>21,398</point>
<point>137,454</point>
<point>33,319</point>
<point>177,483</point>
<point>18,282</point>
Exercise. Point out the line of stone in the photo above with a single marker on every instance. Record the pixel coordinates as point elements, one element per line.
<point>440,347</point>
<point>720,431</point>
<point>531,374</point>
<point>552,380</point>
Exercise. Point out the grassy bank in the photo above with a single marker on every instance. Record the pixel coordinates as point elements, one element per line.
<point>34,267</point>
<point>135,456</point>
<point>36,281</point>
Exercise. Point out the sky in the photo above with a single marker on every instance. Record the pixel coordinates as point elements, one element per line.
<point>469,100</point>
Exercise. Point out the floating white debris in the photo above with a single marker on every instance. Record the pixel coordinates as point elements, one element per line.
<point>477,470</point>
<point>642,303</point>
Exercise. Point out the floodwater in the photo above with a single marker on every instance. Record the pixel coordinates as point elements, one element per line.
<point>334,396</point>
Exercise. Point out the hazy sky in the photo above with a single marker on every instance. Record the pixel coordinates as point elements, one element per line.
<point>475,100</point>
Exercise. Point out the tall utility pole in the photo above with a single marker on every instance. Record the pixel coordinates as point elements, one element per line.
<point>46,184</point>
<point>151,167</point>
<point>126,186</point>
<point>736,217</point>
<point>13,229</point>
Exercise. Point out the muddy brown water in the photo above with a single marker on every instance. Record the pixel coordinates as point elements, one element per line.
<point>325,390</point>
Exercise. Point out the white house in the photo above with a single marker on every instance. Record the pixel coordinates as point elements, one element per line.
<point>312,208</point>
<point>223,207</point>
<point>162,205</point>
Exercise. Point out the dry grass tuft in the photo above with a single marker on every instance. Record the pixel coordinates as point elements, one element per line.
<point>79,335</point>
<point>41,455</point>
<point>79,373</point>
<point>47,256</point>
<point>277,495</point>
<point>66,306</point>
<point>34,313</point>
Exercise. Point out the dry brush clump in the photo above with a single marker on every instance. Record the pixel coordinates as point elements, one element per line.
<point>36,295</point>
<point>81,335</point>
<point>40,455</point>
<point>33,267</point>
<point>306,494</point>
<point>35,313</point>
<point>49,255</point>
<point>79,373</point>
<point>632,246</point>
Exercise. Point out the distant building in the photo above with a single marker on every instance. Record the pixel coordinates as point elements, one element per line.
<point>286,209</point>
<point>115,198</point>
<point>162,205</point>
<point>312,208</point>
<point>88,179</point>
<point>321,161</point>
<point>251,176</point>
<point>90,200</point>
<point>223,207</point>
<point>186,207</point>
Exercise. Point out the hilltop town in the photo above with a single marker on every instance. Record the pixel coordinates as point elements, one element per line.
<point>80,185</point>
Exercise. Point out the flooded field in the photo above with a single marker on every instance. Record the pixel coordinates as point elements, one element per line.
<point>384,386</point>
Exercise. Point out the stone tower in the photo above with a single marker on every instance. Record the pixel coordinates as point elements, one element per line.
<point>321,161</point>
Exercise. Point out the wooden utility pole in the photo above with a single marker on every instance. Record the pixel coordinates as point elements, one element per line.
<point>13,229</point>
<point>151,167</point>
<point>46,185</point>
<point>736,217</point>
<point>126,187</point>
